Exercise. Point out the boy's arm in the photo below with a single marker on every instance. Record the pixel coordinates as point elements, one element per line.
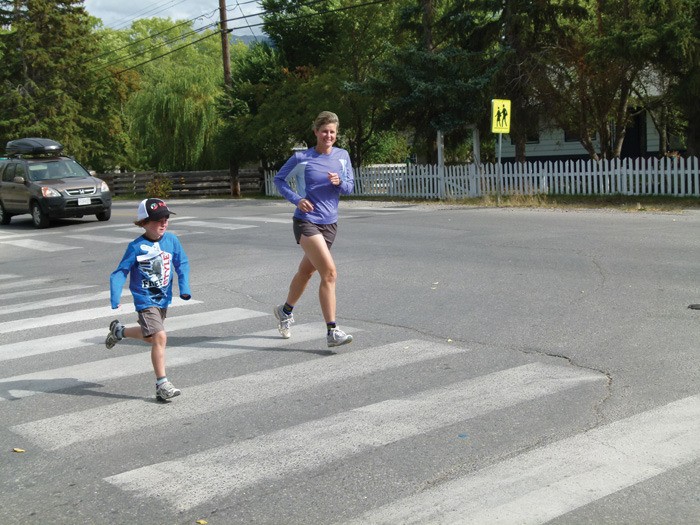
<point>118,278</point>
<point>182,268</point>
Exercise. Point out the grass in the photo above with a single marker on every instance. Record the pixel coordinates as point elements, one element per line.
<point>630,203</point>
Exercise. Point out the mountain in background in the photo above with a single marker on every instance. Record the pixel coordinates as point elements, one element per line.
<point>250,39</point>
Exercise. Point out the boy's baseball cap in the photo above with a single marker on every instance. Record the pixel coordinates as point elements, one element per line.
<point>153,210</point>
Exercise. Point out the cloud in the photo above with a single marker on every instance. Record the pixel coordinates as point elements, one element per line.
<point>119,14</point>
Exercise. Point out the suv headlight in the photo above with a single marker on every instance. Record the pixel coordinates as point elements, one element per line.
<point>104,188</point>
<point>49,192</point>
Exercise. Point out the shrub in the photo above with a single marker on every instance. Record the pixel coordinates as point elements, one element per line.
<point>159,187</point>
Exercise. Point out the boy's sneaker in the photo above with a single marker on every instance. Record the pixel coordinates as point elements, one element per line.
<point>337,337</point>
<point>115,327</point>
<point>285,322</point>
<point>166,390</point>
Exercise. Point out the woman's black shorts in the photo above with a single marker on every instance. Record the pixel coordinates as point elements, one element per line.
<point>309,229</point>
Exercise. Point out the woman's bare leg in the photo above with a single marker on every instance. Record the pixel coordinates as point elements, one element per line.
<point>318,256</point>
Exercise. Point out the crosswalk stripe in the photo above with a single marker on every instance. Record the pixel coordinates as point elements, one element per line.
<point>57,301</point>
<point>187,482</point>
<point>129,416</point>
<point>67,317</point>
<point>102,239</point>
<point>24,283</point>
<point>540,485</point>
<point>6,236</point>
<point>206,224</point>
<point>87,374</point>
<point>288,220</point>
<point>24,294</point>
<point>41,246</point>
<point>58,343</point>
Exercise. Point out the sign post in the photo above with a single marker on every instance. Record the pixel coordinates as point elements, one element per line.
<point>500,123</point>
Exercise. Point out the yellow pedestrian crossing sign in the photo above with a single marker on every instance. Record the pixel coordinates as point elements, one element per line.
<point>500,116</point>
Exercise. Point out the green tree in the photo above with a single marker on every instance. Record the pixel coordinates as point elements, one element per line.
<point>435,78</point>
<point>674,38</point>
<point>594,69</point>
<point>525,30</point>
<point>45,47</point>
<point>330,50</point>
<point>172,118</point>
<point>302,31</point>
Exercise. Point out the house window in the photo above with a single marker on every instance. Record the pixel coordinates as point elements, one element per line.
<point>533,137</point>
<point>571,136</point>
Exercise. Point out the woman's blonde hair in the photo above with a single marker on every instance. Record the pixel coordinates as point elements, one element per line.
<point>325,117</point>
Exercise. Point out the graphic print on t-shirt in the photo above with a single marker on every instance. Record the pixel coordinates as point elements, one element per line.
<point>154,266</point>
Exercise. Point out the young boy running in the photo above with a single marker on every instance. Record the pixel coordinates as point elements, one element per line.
<point>149,261</point>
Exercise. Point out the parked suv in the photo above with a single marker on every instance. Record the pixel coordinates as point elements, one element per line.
<point>36,178</point>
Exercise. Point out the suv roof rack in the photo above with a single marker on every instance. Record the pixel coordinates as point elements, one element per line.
<point>33,146</point>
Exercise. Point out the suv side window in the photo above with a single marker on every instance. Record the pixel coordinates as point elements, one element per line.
<point>21,171</point>
<point>9,173</point>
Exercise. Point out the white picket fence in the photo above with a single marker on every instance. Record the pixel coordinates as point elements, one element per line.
<point>676,177</point>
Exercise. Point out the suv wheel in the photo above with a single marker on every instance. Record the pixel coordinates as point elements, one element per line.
<point>4,216</point>
<point>40,219</point>
<point>104,215</point>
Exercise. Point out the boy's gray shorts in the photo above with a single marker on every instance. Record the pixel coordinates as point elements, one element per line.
<point>152,320</point>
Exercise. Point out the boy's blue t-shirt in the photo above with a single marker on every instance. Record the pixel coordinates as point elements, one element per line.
<point>150,266</point>
<point>309,170</point>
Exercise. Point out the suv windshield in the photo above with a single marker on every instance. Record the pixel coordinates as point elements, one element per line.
<point>56,169</point>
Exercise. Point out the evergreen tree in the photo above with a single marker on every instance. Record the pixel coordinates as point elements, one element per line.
<point>46,45</point>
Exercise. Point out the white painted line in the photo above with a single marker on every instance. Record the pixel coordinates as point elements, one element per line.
<point>187,482</point>
<point>4,276</point>
<point>24,294</point>
<point>22,282</point>
<point>57,301</point>
<point>90,374</point>
<point>77,315</point>
<point>288,220</point>
<point>548,482</point>
<point>6,236</point>
<point>103,239</point>
<point>97,337</point>
<point>129,416</point>
<point>42,246</point>
<point>206,224</point>
<point>176,218</point>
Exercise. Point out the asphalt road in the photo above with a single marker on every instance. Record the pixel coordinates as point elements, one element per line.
<point>509,366</point>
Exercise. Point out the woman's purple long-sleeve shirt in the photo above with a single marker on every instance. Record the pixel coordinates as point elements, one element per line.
<point>309,170</point>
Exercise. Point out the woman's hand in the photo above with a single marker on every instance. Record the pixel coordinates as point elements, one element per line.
<point>305,205</point>
<point>334,178</point>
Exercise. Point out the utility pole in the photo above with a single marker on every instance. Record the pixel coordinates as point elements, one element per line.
<point>232,163</point>
<point>224,43</point>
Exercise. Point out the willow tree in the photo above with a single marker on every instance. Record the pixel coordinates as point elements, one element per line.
<point>173,118</point>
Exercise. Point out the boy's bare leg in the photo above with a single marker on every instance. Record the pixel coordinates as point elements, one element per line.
<point>158,342</point>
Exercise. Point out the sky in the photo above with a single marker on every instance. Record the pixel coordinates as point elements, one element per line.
<point>119,14</point>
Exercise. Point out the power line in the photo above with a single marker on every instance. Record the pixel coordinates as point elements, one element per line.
<point>154,46</point>
<point>307,15</point>
<point>151,10</point>
<point>135,42</point>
